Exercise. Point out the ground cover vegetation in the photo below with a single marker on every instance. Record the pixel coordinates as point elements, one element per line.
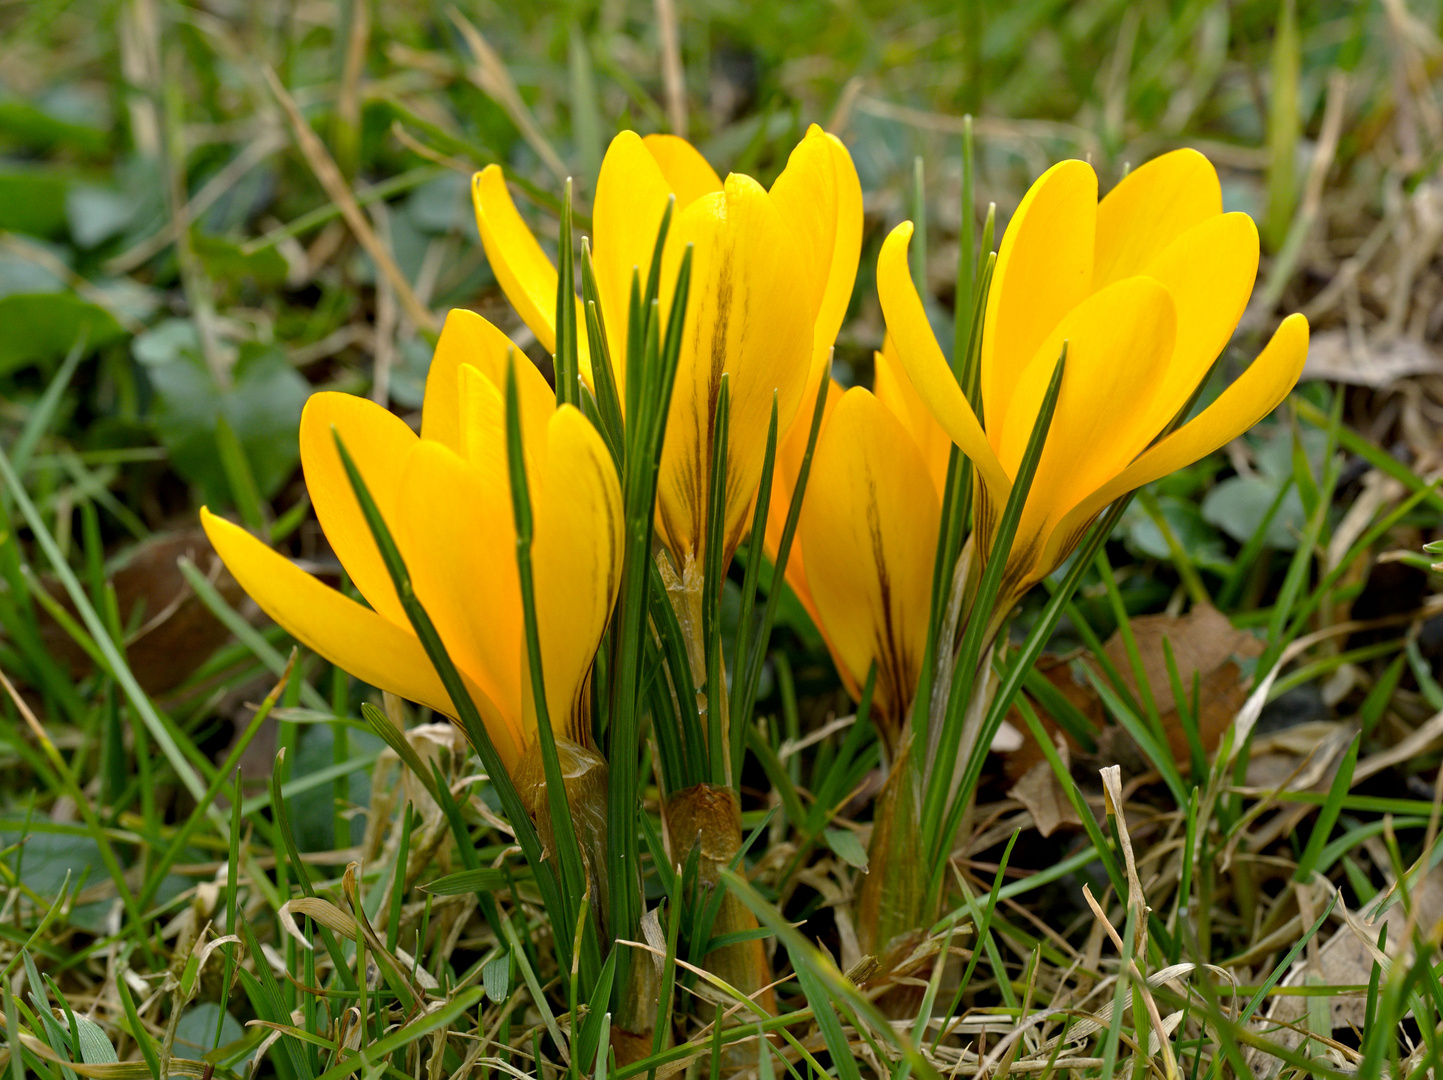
<point>651,539</point>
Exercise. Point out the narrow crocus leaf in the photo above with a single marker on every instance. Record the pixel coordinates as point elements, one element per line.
<point>630,628</point>
<point>634,363</point>
<point>956,503</point>
<point>982,623</point>
<point>466,712</point>
<point>603,374</point>
<point>1022,661</point>
<point>690,740</point>
<point>567,362</point>
<point>653,276</point>
<point>669,357</point>
<point>718,742</point>
<point>751,667</point>
<point>740,711</point>
<point>592,411</point>
<point>573,871</point>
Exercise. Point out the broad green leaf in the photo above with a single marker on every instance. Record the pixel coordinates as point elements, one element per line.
<point>262,405</point>
<point>847,847</point>
<point>32,200</point>
<point>40,328</point>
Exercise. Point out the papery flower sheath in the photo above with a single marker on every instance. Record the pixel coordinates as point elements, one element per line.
<point>772,274</point>
<point>445,497</point>
<point>1146,287</point>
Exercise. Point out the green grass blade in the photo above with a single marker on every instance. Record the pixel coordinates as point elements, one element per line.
<point>1328,815</point>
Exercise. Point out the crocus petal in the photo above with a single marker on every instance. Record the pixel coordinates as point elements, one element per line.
<point>1044,270</point>
<point>466,338</point>
<point>631,198</point>
<point>576,560</point>
<point>688,173</point>
<point>522,269</point>
<point>742,319</point>
<point>483,416</point>
<point>1210,271</point>
<point>378,442</point>
<point>349,635</point>
<point>895,390</point>
<point>1150,208</point>
<point>869,530</point>
<point>926,366</point>
<point>1255,393</point>
<point>1119,341</point>
<point>819,195</point>
<point>791,449</point>
<point>459,544</point>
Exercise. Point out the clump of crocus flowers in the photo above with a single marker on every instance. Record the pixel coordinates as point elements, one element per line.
<point>707,315</point>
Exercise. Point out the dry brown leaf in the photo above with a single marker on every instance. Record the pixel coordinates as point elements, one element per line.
<point>1042,794</point>
<point>1298,756</point>
<point>1333,357</point>
<point>176,633</point>
<point>1058,671</point>
<point>1203,643</point>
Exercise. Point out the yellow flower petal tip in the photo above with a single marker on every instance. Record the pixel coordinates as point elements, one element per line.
<point>522,269</point>
<point>689,175</point>
<point>369,646</point>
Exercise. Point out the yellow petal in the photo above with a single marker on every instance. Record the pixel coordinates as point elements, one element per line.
<point>631,198</point>
<point>576,561</point>
<point>351,636</point>
<point>1257,392</point>
<point>924,363</point>
<point>378,441</point>
<point>466,338</point>
<point>459,545</point>
<point>522,269</point>
<point>1119,342</point>
<point>742,319</point>
<point>688,173</point>
<point>791,449</point>
<point>895,390</point>
<point>1150,208</point>
<point>819,195</point>
<point>1210,271</point>
<point>1044,270</point>
<point>483,417</point>
<point>869,531</point>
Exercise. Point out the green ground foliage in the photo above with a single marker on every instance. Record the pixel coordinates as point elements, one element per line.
<point>211,863</point>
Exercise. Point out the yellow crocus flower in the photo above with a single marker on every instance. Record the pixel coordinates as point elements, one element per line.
<point>445,496</point>
<point>1146,287</point>
<point>772,274</point>
<point>867,537</point>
